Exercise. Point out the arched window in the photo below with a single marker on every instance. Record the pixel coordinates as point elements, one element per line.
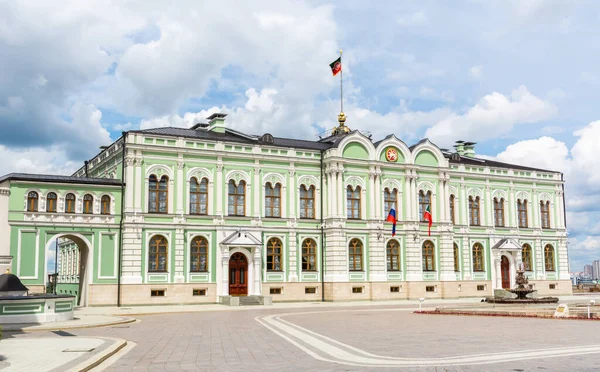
<point>390,200</point>
<point>198,196</point>
<point>393,255</point>
<point>478,257</point>
<point>51,200</point>
<point>549,257</point>
<point>428,256</point>
<point>353,202</point>
<point>355,255</point>
<point>309,255</point>
<point>526,257</point>
<point>456,258</point>
<point>545,214</point>
<point>88,204</point>
<point>199,254</point>
<point>237,198</point>
<point>158,193</point>
<point>274,248</point>
<point>499,212</point>
<point>70,203</point>
<point>157,254</point>
<point>307,202</point>
<point>32,201</point>
<point>424,203</point>
<point>474,211</point>
<point>522,212</point>
<point>452,218</point>
<point>272,200</point>
<point>105,204</point>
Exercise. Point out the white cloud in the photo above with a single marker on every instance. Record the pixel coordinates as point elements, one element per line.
<point>188,119</point>
<point>544,153</point>
<point>493,116</point>
<point>476,71</point>
<point>51,160</point>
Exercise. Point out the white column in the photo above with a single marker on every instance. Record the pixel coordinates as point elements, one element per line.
<point>464,217</point>
<point>498,283</point>
<point>341,193</point>
<point>379,197</point>
<point>441,196</point>
<point>293,195</point>
<point>137,185</point>
<point>5,257</point>
<point>330,195</point>
<point>560,208</point>
<point>447,199</point>
<point>292,270</point>
<point>512,208</point>
<point>256,188</point>
<point>406,200</point>
<point>219,190</point>
<point>535,210</point>
<point>180,182</point>
<point>129,174</point>
<point>257,274</point>
<point>489,205</point>
<point>179,256</point>
<point>373,195</point>
<point>225,271</point>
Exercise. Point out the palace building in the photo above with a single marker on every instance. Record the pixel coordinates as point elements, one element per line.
<point>182,216</point>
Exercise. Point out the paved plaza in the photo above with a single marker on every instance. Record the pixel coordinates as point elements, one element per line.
<point>357,338</point>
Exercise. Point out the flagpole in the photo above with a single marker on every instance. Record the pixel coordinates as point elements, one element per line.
<point>341,87</point>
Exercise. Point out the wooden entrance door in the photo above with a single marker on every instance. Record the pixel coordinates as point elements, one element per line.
<point>505,269</point>
<point>238,275</point>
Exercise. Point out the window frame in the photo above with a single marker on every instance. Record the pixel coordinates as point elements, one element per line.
<point>305,193</point>
<point>237,196</point>
<point>105,202</point>
<point>88,204</point>
<point>499,212</point>
<point>390,199</point>
<point>428,252</point>
<point>451,202</point>
<point>526,258</point>
<point>156,243</point>
<point>198,192</point>
<point>70,203</point>
<point>355,255</point>
<point>51,202</point>
<point>199,242</point>
<point>549,264</point>
<point>456,254</point>
<point>474,206</point>
<point>272,198</point>
<point>424,201</point>
<point>33,202</point>
<point>158,191</point>
<point>522,214</point>
<point>309,251</point>
<point>353,195</point>
<point>477,253</point>
<point>272,255</point>
<point>545,214</point>
<point>390,255</point>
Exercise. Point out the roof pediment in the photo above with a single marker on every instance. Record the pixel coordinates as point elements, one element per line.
<point>507,244</point>
<point>241,238</point>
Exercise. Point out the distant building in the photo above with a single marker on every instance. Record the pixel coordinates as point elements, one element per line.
<point>588,271</point>
<point>596,269</point>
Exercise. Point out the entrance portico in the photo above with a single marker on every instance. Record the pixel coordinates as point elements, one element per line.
<point>245,280</point>
<point>506,256</point>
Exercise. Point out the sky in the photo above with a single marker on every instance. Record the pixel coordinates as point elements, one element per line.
<point>520,78</point>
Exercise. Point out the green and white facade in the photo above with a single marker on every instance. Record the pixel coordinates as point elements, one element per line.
<point>288,215</point>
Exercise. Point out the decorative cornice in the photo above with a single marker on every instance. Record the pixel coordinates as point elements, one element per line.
<point>4,191</point>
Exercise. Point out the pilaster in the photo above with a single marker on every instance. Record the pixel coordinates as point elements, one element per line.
<point>180,182</point>
<point>292,256</point>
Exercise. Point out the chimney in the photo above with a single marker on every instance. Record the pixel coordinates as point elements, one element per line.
<point>469,148</point>
<point>460,148</point>
<point>216,123</point>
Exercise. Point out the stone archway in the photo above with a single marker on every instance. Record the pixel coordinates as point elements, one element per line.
<point>81,264</point>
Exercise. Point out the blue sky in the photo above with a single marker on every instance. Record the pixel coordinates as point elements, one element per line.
<point>519,77</point>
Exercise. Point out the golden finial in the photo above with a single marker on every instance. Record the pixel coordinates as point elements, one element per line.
<point>8,271</point>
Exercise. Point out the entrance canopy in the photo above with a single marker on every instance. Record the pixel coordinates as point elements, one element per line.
<point>507,245</point>
<point>241,238</point>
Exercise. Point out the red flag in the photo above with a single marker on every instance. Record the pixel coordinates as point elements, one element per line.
<point>336,66</point>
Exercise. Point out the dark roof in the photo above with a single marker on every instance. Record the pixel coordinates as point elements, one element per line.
<point>492,163</point>
<point>59,179</point>
<point>10,282</point>
<point>232,136</point>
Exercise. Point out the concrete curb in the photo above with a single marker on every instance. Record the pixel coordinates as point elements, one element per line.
<point>96,360</point>
<point>11,328</point>
<point>511,314</point>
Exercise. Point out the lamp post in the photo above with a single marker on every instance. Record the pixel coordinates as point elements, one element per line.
<point>420,302</point>
<point>591,303</point>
